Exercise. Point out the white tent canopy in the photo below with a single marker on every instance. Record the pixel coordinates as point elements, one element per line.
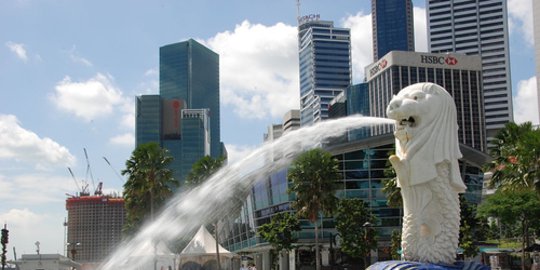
<point>203,243</point>
<point>200,253</point>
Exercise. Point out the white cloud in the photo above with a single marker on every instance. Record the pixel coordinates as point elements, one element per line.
<point>23,145</point>
<point>520,18</point>
<point>237,152</point>
<point>526,102</point>
<point>26,226</point>
<point>36,189</point>
<point>420,30</point>
<point>96,97</point>
<point>151,72</point>
<point>18,49</point>
<point>258,69</point>
<point>126,139</point>
<point>361,43</point>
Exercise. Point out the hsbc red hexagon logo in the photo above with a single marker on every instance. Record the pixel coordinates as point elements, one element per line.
<point>450,60</point>
<point>383,63</point>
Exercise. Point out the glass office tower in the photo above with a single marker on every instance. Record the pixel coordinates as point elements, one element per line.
<point>325,66</point>
<point>393,26</point>
<point>190,72</point>
<point>184,118</point>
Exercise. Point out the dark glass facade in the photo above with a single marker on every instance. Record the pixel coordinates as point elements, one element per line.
<point>325,67</point>
<point>358,103</point>
<point>148,119</point>
<point>393,26</point>
<point>189,82</point>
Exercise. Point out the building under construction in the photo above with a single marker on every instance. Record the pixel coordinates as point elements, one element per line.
<point>94,226</point>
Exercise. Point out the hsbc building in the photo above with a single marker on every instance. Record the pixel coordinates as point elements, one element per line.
<point>459,74</point>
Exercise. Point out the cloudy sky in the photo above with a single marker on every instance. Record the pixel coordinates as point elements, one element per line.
<point>70,70</point>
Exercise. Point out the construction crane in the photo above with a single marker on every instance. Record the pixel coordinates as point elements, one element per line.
<point>84,186</point>
<point>115,172</point>
<point>88,169</point>
<point>99,188</point>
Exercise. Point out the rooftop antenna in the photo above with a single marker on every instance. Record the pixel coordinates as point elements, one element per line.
<point>298,10</point>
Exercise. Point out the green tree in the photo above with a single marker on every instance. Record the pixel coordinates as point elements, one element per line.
<point>467,241</point>
<point>395,245</point>
<point>353,223</point>
<point>390,188</point>
<point>516,157</point>
<point>521,206</point>
<point>279,232</point>
<point>149,184</point>
<point>313,176</point>
<point>201,170</point>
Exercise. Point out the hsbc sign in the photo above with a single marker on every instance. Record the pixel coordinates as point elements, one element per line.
<point>378,67</point>
<point>438,60</point>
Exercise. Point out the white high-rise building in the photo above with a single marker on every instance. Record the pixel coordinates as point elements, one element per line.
<point>477,27</point>
<point>325,66</point>
<point>536,21</point>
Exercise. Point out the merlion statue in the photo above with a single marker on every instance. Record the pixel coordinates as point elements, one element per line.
<point>426,164</point>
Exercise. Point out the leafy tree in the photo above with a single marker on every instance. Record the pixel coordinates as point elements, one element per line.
<point>390,188</point>
<point>149,183</point>
<point>353,223</point>
<point>313,176</point>
<point>467,241</point>
<point>279,231</point>
<point>510,207</point>
<point>395,244</point>
<point>516,156</point>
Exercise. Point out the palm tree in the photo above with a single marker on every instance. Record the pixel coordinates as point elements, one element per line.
<point>200,172</point>
<point>313,177</point>
<point>516,157</point>
<point>149,183</point>
<point>203,169</point>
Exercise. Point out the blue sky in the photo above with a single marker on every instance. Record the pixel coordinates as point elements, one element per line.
<point>70,69</point>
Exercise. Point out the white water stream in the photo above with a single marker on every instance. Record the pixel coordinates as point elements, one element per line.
<point>188,210</point>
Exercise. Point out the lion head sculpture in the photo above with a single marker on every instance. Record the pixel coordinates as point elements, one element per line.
<point>426,132</point>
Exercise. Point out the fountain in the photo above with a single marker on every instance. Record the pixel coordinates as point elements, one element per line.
<point>426,165</point>
<point>187,211</point>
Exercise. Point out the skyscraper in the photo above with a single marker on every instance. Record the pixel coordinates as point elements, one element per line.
<point>325,66</point>
<point>393,26</point>
<point>185,117</point>
<point>477,27</point>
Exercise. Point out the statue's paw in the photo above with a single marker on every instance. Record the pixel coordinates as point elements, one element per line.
<point>394,160</point>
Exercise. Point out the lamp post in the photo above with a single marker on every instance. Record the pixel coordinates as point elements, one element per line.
<point>366,226</point>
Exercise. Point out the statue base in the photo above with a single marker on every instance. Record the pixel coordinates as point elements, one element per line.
<point>402,265</point>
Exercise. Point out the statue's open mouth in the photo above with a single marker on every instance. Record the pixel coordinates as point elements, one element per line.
<point>410,122</point>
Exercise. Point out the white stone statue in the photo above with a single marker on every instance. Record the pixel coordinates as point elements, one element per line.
<point>426,164</point>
